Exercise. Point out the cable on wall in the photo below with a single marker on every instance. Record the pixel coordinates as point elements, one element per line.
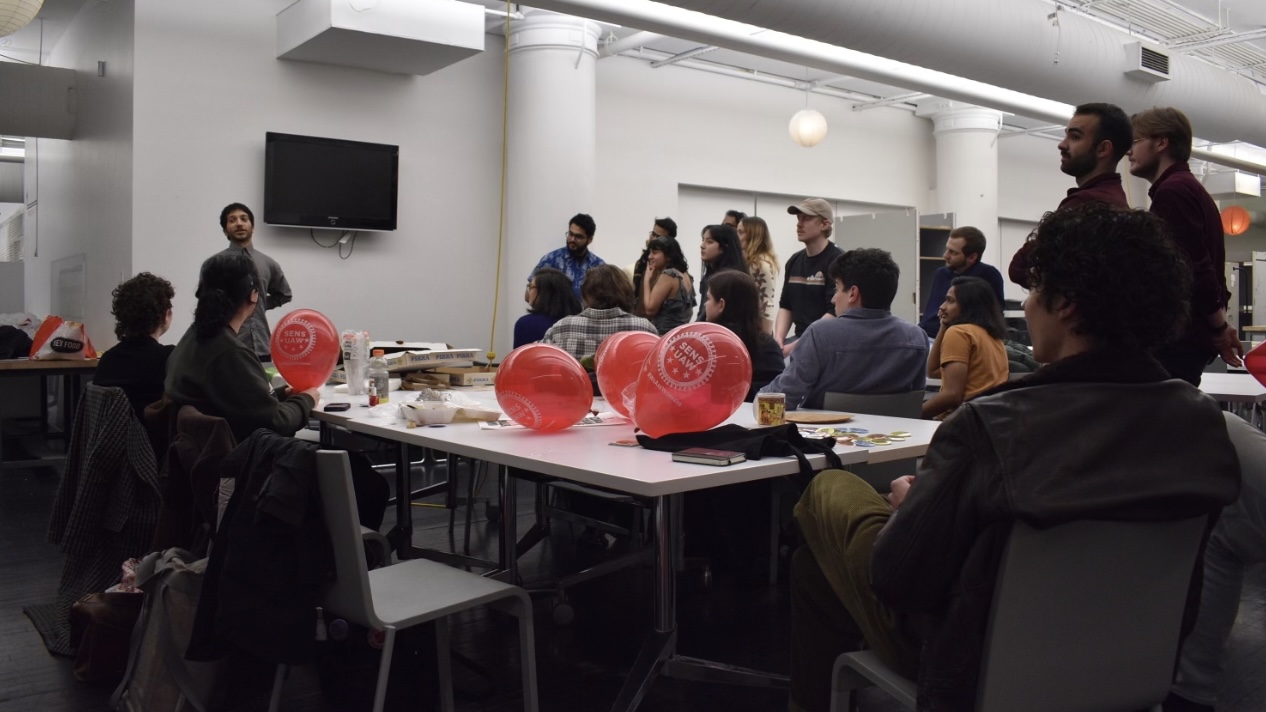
<point>501,223</point>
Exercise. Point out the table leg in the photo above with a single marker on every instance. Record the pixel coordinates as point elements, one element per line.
<point>507,553</point>
<point>401,535</point>
<point>661,644</point>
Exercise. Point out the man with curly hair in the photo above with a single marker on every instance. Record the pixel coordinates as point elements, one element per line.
<point>913,574</point>
<point>138,363</point>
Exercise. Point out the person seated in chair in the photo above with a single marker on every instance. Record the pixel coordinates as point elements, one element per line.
<point>217,373</point>
<point>138,363</point>
<point>912,575</point>
<point>866,349</point>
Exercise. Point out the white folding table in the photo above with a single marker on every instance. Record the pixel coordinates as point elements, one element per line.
<point>584,455</point>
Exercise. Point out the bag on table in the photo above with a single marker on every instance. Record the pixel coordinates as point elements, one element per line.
<point>58,339</point>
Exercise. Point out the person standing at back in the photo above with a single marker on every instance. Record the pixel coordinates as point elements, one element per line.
<point>1160,152</point>
<point>238,223</point>
<point>806,290</point>
<point>762,262</point>
<point>574,259</point>
<point>962,259</point>
<point>1096,139</point>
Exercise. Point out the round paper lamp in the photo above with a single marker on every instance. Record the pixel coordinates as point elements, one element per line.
<point>16,14</point>
<point>807,127</point>
<point>1235,220</point>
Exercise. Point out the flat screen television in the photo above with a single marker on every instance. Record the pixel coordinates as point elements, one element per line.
<point>330,183</point>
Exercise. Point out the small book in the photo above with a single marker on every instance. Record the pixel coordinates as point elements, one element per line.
<point>704,456</point>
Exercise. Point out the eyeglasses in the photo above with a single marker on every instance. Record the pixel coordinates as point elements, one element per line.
<point>1144,138</point>
<point>532,285</point>
<point>576,235</point>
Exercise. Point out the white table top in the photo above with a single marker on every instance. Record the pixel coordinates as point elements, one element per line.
<point>585,455</point>
<point>1233,387</point>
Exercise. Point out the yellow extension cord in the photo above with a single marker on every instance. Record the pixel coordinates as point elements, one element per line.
<point>501,224</point>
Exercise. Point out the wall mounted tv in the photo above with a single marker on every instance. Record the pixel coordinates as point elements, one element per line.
<point>330,183</point>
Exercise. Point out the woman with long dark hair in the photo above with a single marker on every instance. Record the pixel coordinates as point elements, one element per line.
<point>967,355</point>
<point>550,297</point>
<point>668,292</point>
<point>214,371</point>
<point>720,250</point>
<point>734,302</point>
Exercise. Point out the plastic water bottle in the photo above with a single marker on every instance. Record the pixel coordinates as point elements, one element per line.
<point>379,376</point>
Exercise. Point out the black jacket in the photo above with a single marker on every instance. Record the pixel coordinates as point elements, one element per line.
<point>1094,436</point>
<point>271,557</point>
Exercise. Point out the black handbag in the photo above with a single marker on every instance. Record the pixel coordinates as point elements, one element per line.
<point>755,443</point>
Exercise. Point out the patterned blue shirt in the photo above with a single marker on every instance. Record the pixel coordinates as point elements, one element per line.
<point>561,259</point>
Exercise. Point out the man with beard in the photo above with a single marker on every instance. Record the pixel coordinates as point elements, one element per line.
<point>1095,140</point>
<point>1159,154</point>
<point>575,258</point>
<point>963,251</point>
<point>238,223</point>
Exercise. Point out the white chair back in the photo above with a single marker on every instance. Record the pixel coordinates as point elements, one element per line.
<point>1086,615</point>
<point>349,595</point>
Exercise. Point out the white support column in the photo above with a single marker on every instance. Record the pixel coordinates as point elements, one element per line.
<point>967,167</point>
<point>551,148</point>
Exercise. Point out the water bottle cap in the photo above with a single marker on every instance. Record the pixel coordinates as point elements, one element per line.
<point>379,352</point>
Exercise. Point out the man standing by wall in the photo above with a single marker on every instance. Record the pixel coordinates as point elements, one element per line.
<point>962,259</point>
<point>1095,140</point>
<point>574,259</point>
<point>1159,154</point>
<point>238,223</point>
<point>806,290</point>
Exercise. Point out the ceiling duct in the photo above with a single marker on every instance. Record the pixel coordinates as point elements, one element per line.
<point>1147,63</point>
<point>686,24</point>
<point>1015,44</point>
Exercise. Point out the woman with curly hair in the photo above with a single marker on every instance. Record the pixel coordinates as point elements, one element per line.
<point>762,264</point>
<point>138,363</point>
<point>668,292</point>
<point>967,355</point>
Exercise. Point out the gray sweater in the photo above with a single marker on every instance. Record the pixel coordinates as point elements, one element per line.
<point>864,351</point>
<point>222,377</point>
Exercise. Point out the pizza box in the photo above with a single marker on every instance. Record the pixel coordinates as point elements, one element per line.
<point>469,376</point>
<point>418,360</point>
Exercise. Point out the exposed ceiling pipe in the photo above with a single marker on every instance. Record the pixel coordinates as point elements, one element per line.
<point>633,41</point>
<point>889,101</point>
<point>688,54</point>
<point>724,70</point>
<point>1014,44</point>
<point>707,29</point>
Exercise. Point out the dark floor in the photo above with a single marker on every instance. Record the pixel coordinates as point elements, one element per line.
<point>580,667</point>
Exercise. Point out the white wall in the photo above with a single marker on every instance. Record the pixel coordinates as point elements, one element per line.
<point>84,185</point>
<point>209,86</point>
<point>662,128</point>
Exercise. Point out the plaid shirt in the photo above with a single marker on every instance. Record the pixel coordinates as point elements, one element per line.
<point>580,335</point>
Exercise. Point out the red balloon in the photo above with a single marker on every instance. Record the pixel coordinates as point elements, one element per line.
<point>305,347</point>
<point>543,387</point>
<point>1255,362</point>
<point>619,363</point>
<point>694,378</point>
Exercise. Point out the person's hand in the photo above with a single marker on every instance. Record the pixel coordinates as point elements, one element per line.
<point>786,349</point>
<point>944,319</point>
<point>651,273</point>
<point>900,488</point>
<point>316,396</point>
<point>1229,347</point>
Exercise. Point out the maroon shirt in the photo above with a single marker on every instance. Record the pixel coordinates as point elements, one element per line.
<point>1103,188</point>
<point>1195,225</point>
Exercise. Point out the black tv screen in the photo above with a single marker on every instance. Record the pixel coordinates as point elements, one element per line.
<point>330,183</point>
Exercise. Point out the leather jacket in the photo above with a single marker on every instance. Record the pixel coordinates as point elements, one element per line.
<point>1095,436</point>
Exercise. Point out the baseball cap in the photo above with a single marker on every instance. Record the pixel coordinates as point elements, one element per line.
<point>813,206</point>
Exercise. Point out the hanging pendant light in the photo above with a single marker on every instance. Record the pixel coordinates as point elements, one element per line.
<point>808,126</point>
<point>16,14</point>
